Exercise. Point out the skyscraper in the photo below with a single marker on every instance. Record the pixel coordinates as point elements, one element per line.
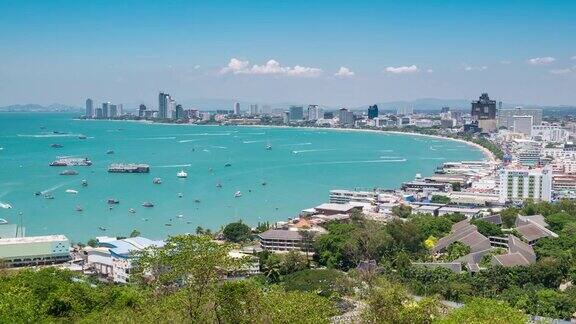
<point>372,112</point>
<point>405,111</point>
<point>314,113</point>
<point>179,112</point>
<point>484,111</point>
<point>105,109</point>
<point>236,108</point>
<point>163,102</point>
<point>346,117</point>
<point>296,112</point>
<point>89,108</point>
<point>113,111</point>
<point>254,110</point>
<point>142,110</point>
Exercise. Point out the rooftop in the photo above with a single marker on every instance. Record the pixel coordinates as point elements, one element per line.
<point>33,239</point>
<point>280,234</point>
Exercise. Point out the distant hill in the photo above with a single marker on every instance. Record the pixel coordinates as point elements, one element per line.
<point>56,107</point>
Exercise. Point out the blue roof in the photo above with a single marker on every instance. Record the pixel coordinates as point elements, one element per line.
<point>124,247</point>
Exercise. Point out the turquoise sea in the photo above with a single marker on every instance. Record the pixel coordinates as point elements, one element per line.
<point>303,165</point>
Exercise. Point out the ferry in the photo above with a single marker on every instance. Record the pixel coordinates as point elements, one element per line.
<point>66,161</point>
<point>69,172</point>
<point>182,174</point>
<point>157,181</point>
<point>238,194</point>
<point>147,204</point>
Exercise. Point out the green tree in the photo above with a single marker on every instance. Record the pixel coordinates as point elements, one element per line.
<point>482,310</point>
<point>324,282</point>
<point>439,199</point>
<point>486,228</point>
<point>456,250</point>
<point>92,242</point>
<point>509,216</point>
<point>237,232</point>
<point>402,211</point>
<point>135,233</point>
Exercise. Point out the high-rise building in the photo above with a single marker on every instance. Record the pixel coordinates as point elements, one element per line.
<point>89,108</point>
<point>484,112</point>
<point>237,108</point>
<point>163,103</point>
<point>105,109</point>
<point>113,111</point>
<point>372,112</point>
<point>99,113</point>
<point>179,112</point>
<point>120,109</point>
<point>266,109</point>
<point>346,117</point>
<point>296,112</point>
<point>405,111</point>
<point>254,110</point>
<point>519,184</point>
<point>171,108</point>
<point>142,110</point>
<point>523,124</point>
<point>314,113</point>
<point>506,116</point>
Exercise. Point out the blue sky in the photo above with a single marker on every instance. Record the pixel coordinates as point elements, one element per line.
<point>126,51</point>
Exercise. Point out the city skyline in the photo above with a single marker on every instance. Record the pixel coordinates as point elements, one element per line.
<point>332,53</point>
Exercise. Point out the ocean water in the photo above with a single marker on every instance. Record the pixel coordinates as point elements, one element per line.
<point>299,171</point>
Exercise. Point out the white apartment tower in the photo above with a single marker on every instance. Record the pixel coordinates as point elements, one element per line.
<point>519,184</point>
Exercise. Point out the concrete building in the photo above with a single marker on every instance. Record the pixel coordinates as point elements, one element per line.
<point>314,113</point>
<point>523,125</point>
<point>506,116</point>
<point>372,112</point>
<point>550,133</point>
<point>283,240</point>
<point>99,113</point>
<point>163,103</point>
<point>254,110</point>
<point>142,110</point>
<point>179,112</point>
<point>236,108</point>
<point>519,183</point>
<point>346,196</point>
<point>105,109</point>
<point>296,112</point>
<point>405,111</point>
<point>34,250</point>
<point>346,117</point>
<point>484,112</point>
<point>89,108</point>
<point>113,111</point>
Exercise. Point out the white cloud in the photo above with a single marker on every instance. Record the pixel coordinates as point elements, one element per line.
<point>541,60</point>
<point>564,71</point>
<point>505,62</point>
<point>236,66</point>
<point>474,68</point>
<point>430,71</point>
<point>402,69</point>
<point>344,72</point>
<point>573,57</point>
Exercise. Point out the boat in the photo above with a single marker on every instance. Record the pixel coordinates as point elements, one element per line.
<point>182,174</point>
<point>113,201</point>
<point>5,206</point>
<point>180,216</point>
<point>128,168</point>
<point>227,164</point>
<point>167,224</point>
<point>101,228</point>
<point>263,183</point>
<point>110,152</point>
<point>82,137</point>
<point>238,194</point>
<point>69,161</point>
<point>71,191</point>
<point>84,183</point>
<point>269,147</point>
<point>79,208</point>
<point>218,185</point>
<point>3,221</point>
<point>37,193</point>
<point>48,196</point>
<point>56,146</point>
<point>197,201</point>
<point>69,172</point>
<point>147,204</point>
<point>157,181</point>
<point>180,195</point>
<point>131,211</point>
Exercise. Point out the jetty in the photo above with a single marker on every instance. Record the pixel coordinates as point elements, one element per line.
<point>128,168</point>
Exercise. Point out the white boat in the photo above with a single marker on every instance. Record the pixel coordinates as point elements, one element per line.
<point>157,181</point>
<point>182,174</point>
<point>5,206</point>
<point>131,210</point>
<point>238,194</point>
<point>3,221</point>
<point>71,191</point>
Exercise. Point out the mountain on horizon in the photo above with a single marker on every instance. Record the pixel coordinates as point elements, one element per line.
<point>55,107</point>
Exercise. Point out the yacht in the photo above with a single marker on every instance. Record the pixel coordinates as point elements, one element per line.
<point>3,221</point>
<point>238,194</point>
<point>182,174</point>
<point>82,137</point>
<point>157,181</point>
<point>148,204</point>
<point>5,206</point>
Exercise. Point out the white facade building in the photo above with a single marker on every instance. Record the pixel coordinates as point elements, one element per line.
<point>550,133</point>
<point>236,108</point>
<point>314,113</point>
<point>523,125</point>
<point>254,110</point>
<point>506,116</point>
<point>518,184</point>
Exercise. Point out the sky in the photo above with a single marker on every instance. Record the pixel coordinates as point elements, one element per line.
<point>329,52</point>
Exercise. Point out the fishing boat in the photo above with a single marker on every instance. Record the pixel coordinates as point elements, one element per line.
<point>182,174</point>
<point>157,181</point>
<point>71,191</point>
<point>147,204</point>
<point>238,194</point>
<point>113,201</point>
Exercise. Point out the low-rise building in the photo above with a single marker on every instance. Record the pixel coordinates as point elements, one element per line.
<point>34,250</point>
<point>283,240</point>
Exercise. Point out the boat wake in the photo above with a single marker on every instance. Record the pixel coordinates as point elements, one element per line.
<point>250,142</point>
<point>391,157</point>
<point>58,186</point>
<point>156,138</point>
<point>310,151</point>
<point>296,144</point>
<point>186,141</point>
<point>173,166</point>
<point>432,158</point>
<point>47,135</point>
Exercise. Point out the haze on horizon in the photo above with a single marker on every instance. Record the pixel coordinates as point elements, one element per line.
<point>327,52</point>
